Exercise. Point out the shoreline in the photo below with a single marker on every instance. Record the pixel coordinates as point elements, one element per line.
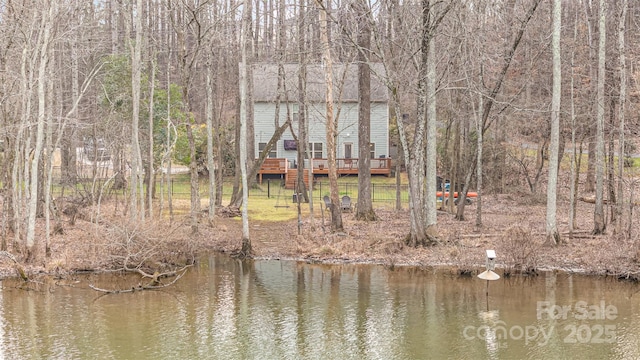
<point>452,268</point>
<point>510,227</point>
<point>455,268</point>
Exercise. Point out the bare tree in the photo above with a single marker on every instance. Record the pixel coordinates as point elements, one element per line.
<point>397,52</point>
<point>136,180</point>
<point>423,156</point>
<point>331,124</point>
<point>553,236</point>
<point>428,91</point>
<point>364,208</point>
<point>590,20</point>
<point>492,92</point>
<point>303,146</point>
<point>246,21</point>
<point>209,111</point>
<point>598,214</point>
<point>150,175</point>
<point>303,121</point>
<point>574,174</point>
<point>622,18</point>
<point>190,33</point>
<point>43,47</point>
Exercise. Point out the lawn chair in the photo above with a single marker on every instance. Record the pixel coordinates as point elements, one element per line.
<point>327,202</point>
<point>346,203</point>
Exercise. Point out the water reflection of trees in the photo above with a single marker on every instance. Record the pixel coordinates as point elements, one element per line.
<point>293,310</point>
<point>280,309</point>
<point>355,309</point>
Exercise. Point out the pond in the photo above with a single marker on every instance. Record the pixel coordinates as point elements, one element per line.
<point>226,309</point>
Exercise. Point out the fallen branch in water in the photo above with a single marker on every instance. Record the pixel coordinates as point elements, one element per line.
<point>154,284</point>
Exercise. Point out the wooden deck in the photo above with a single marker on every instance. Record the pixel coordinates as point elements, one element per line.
<point>280,166</point>
<point>350,166</point>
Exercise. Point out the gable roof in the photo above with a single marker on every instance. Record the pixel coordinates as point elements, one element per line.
<point>265,82</point>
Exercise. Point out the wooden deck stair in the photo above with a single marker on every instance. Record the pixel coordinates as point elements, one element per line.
<point>291,178</point>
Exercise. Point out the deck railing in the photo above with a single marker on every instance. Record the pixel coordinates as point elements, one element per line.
<point>345,166</point>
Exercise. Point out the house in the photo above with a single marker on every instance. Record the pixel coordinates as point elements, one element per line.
<point>283,156</point>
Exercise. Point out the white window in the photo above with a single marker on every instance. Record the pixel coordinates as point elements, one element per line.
<point>272,153</point>
<point>372,150</point>
<point>316,150</point>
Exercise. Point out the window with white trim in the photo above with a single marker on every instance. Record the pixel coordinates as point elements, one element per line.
<point>316,150</point>
<point>272,153</point>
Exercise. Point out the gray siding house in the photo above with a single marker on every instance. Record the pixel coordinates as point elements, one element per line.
<point>265,88</point>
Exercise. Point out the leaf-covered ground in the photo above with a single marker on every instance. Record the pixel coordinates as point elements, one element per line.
<point>513,225</point>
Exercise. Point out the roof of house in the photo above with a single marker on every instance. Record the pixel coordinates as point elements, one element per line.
<point>265,82</point>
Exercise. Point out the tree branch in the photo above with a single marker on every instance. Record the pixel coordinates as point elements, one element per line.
<point>154,284</point>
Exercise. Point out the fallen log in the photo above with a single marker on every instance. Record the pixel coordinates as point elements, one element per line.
<point>154,284</point>
<point>591,199</point>
<point>19,268</point>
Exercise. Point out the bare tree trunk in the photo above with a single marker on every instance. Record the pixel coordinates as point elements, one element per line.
<point>424,155</point>
<point>399,162</point>
<point>194,181</point>
<point>166,157</point>
<point>209,111</point>
<point>46,22</point>
<point>48,163</point>
<point>246,21</point>
<point>430,218</point>
<point>415,210</point>
<point>218,139</point>
<point>453,167</point>
<point>610,159</point>
<point>553,237</point>
<point>68,151</point>
<point>598,221</point>
<point>573,183</point>
<point>480,148</point>
<point>113,25</point>
<point>150,174</point>
<point>136,158</point>
<point>332,124</point>
<point>20,168</point>
<point>251,148</point>
<point>415,174</point>
<point>253,172</point>
<point>302,103</point>
<point>364,208</point>
<point>236,195</point>
<point>303,123</point>
<point>416,163</point>
<point>590,180</point>
<point>621,112</point>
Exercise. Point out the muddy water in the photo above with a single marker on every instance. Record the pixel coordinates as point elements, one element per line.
<point>224,309</point>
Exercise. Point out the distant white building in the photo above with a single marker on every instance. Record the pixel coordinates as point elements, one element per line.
<point>281,161</point>
<point>265,80</point>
